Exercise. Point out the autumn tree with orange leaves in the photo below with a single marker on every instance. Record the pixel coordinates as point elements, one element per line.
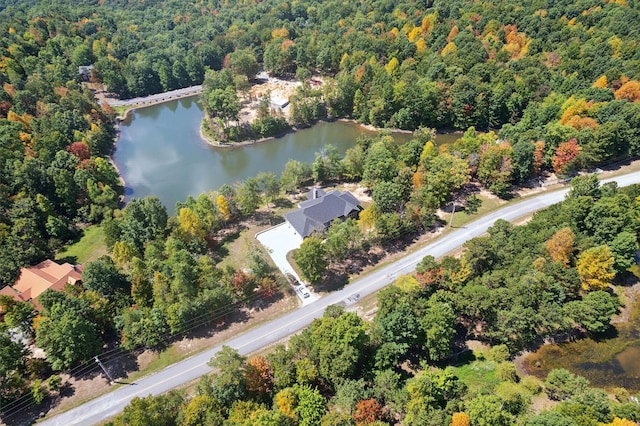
<point>565,159</point>
<point>561,245</point>
<point>258,375</point>
<point>367,412</point>
<point>629,91</point>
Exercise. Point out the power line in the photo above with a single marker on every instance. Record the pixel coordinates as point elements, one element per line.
<point>104,369</point>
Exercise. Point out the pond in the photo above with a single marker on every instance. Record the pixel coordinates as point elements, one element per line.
<point>160,152</point>
<point>611,361</point>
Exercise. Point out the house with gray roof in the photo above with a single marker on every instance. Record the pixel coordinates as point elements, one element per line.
<point>320,209</point>
<point>84,71</point>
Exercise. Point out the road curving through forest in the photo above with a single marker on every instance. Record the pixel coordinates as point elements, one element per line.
<point>187,370</point>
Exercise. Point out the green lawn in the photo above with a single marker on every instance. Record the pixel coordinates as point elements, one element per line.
<point>120,110</point>
<point>90,246</point>
<point>479,375</point>
<point>460,218</point>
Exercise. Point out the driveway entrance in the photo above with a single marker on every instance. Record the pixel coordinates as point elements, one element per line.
<point>279,241</point>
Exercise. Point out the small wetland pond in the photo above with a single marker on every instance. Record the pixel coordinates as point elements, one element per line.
<point>609,362</point>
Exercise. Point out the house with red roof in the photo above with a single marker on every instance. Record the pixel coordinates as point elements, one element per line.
<point>35,280</point>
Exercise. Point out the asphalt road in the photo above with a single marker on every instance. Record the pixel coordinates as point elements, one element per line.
<point>192,368</point>
<point>160,97</point>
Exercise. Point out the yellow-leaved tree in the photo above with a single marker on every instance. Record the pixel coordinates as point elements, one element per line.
<point>460,419</point>
<point>367,218</point>
<point>601,82</point>
<point>191,224</point>
<point>195,412</point>
<point>620,422</point>
<point>407,283</point>
<point>392,67</point>
<point>595,268</point>
<point>122,253</point>
<point>286,401</point>
<point>414,34</point>
<point>449,49</point>
<point>223,207</point>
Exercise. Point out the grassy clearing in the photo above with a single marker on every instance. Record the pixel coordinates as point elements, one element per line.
<point>234,248</point>
<point>478,374</point>
<point>162,359</point>
<point>90,246</point>
<point>120,110</point>
<point>489,204</point>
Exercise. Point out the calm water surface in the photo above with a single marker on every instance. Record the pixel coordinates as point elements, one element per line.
<point>160,152</point>
<point>606,362</point>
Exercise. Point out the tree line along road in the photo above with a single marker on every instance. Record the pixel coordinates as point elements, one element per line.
<point>192,368</point>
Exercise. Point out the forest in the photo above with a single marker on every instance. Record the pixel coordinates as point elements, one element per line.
<point>511,288</point>
<point>546,87</point>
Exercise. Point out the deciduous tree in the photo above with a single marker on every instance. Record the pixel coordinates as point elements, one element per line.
<point>564,161</point>
<point>248,196</point>
<point>13,356</point>
<point>367,411</point>
<point>561,246</point>
<point>438,324</point>
<point>310,407</point>
<point>229,384</point>
<point>67,337</point>
<point>594,311</point>
<point>488,410</point>
<point>157,410</point>
<point>294,175</point>
<point>595,267</point>
<point>243,61</point>
<point>495,168</point>
<point>191,225</point>
<point>562,384</point>
<point>146,327</point>
<point>460,419</point>
<point>103,276</point>
<point>311,258</point>
<point>258,376</point>
<point>223,207</point>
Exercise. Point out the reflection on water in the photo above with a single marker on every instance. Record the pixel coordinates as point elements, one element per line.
<point>160,152</point>
<point>629,361</point>
<point>607,362</point>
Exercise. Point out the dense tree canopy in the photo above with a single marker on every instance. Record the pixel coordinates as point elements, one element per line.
<point>557,81</point>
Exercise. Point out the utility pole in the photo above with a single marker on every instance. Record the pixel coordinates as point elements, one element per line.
<point>453,212</point>
<point>104,369</point>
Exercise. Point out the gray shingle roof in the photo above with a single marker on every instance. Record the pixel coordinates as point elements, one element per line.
<point>315,193</point>
<point>316,214</point>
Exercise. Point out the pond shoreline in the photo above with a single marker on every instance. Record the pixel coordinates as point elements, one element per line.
<point>218,144</point>
<point>160,152</point>
<point>616,363</point>
<point>169,97</point>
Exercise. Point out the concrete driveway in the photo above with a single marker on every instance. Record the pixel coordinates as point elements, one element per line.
<point>279,241</point>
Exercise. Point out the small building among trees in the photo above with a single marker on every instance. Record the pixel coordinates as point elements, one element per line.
<point>84,71</point>
<point>320,209</point>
